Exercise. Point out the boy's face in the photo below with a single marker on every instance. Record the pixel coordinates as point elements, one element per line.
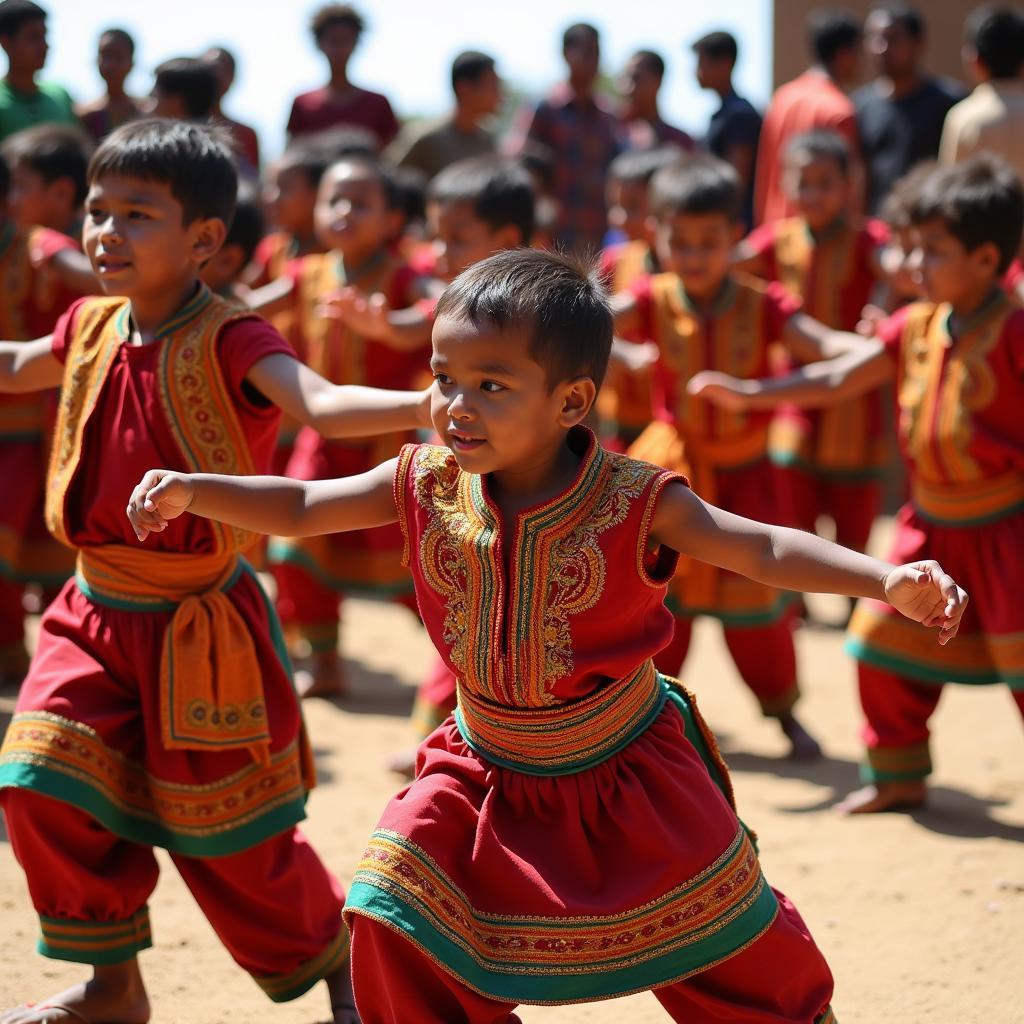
<point>114,60</point>
<point>33,201</point>
<point>697,248</point>
<point>337,43</point>
<point>899,267</point>
<point>351,214</point>
<point>136,240</point>
<point>166,104</point>
<point>27,48</point>
<point>465,239</point>
<point>945,269</point>
<point>818,187</point>
<point>627,208</point>
<point>290,199</point>
<point>893,50</point>
<point>713,72</point>
<point>640,84</point>
<point>491,403</point>
<point>583,58</point>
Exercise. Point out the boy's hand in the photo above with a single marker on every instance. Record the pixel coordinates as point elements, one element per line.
<point>721,389</point>
<point>365,314</point>
<point>923,592</point>
<point>870,318</point>
<point>160,496</point>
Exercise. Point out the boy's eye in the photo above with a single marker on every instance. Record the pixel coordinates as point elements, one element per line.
<point>442,379</point>
<point>138,215</point>
<point>492,386</point>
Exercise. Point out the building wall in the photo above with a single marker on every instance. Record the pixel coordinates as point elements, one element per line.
<point>944,21</point>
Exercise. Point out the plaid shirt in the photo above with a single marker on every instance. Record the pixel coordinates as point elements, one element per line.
<point>584,138</point>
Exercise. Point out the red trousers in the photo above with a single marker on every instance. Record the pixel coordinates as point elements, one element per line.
<point>765,658</point>
<point>853,505</point>
<point>275,906</point>
<point>781,978</point>
<point>895,731</point>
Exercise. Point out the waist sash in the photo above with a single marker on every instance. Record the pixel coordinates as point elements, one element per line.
<point>211,685</point>
<point>972,503</point>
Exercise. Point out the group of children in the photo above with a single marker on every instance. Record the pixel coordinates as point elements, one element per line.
<point>557,576</point>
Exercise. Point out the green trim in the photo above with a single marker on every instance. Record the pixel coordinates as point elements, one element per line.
<point>81,794</point>
<point>21,435</point>
<point>737,619</point>
<point>522,983</point>
<point>860,650</point>
<point>790,460</point>
<point>146,605</point>
<point>870,774</point>
<point>134,932</point>
<point>283,553</point>
<point>696,738</point>
<point>308,974</point>
<point>993,517</point>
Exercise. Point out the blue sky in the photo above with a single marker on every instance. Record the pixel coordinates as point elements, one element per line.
<point>408,48</point>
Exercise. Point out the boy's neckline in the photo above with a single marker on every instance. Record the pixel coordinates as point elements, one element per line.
<point>958,325</point>
<point>721,303</point>
<point>200,298</point>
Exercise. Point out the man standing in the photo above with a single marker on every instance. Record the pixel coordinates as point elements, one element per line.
<point>900,114</point>
<point>644,126</point>
<point>735,126</point>
<point>583,135</point>
<point>431,147</point>
<point>24,102</point>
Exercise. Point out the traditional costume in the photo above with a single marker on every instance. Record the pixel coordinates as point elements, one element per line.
<point>961,433</point>
<point>159,708</point>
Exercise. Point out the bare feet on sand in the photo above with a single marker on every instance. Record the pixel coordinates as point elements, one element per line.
<point>322,676</point>
<point>886,796</point>
<point>802,745</point>
<point>115,995</point>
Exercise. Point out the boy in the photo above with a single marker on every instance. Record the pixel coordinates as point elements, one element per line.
<point>223,273</point>
<point>958,364</point>
<point>114,61</point>
<point>158,710</point>
<point>356,217</point>
<point>184,88</point>
<point>832,462</point>
<point>570,833</point>
<point>702,317</point>
<point>245,141</point>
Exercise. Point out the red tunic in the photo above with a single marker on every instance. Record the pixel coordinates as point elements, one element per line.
<point>962,436</point>
<point>567,764</point>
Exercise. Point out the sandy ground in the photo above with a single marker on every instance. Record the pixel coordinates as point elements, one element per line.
<point>921,916</point>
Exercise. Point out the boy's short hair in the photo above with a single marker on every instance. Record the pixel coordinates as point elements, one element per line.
<point>15,13</point>
<point>53,151</point>
<point>575,33</point>
<point>469,67</point>
<point>193,160</point>
<point>638,166</point>
<point>336,14</point>
<point>696,185</point>
<point>247,225</point>
<point>821,144</point>
<point>122,35</point>
<point>312,161</point>
<point>908,18</point>
<point>996,34</point>
<point>341,141</point>
<point>980,200</point>
<point>555,298</point>
<point>899,203</point>
<point>191,79</point>
<point>717,46</point>
<point>829,32</point>
<point>499,189</point>
<point>653,60</point>
<point>384,174</point>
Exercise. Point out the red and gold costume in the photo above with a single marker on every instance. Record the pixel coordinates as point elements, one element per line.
<point>725,455</point>
<point>569,762</point>
<point>962,436</point>
<point>32,300</point>
<point>830,461</point>
<point>159,708</point>
<point>313,572</point>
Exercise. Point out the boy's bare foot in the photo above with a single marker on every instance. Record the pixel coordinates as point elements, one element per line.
<point>343,1001</point>
<point>886,796</point>
<point>114,995</point>
<point>802,745</point>
<point>403,764</point>
<point>324,677</point>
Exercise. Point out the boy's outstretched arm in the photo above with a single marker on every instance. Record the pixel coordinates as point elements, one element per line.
<point>794,560</point>
<point>404,330</point>
<point>337,410</point>
<point>29,366</point>
<point>265,504</point>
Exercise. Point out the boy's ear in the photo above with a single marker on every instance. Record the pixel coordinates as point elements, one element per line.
<point>208,234</point>
<point>62,191</point>
<point>507,237</point>
<point>986,258</point>
<point>578,397</point>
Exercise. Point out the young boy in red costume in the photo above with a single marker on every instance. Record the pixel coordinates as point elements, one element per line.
<point>829,462</point>
<point>357,214</point>
<point>570,834</point>
<point>159,709</point>
<point>702,316</point>
<point>957,361</point>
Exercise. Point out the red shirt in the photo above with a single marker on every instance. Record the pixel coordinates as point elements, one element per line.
<point>320,109</point>
<point>128,434</point>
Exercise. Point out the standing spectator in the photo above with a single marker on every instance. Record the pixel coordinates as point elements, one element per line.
<point>431,147</point>
<point>641,82</point>
<point>184,88</point>
<point>900,113</point>
<point>337,29</point>
<point>114,61</point>
<point>815,99</point>
<point>735,126</point>
<point>992,117</point>
<point>244,140</point>
<point>25,102</point>
<point>583,135</point>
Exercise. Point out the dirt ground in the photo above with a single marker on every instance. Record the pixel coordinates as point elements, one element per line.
<point>921,916</point>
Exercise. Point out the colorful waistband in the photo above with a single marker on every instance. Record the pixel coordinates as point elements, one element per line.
<point>566,738</point>
<point>972,503</point>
